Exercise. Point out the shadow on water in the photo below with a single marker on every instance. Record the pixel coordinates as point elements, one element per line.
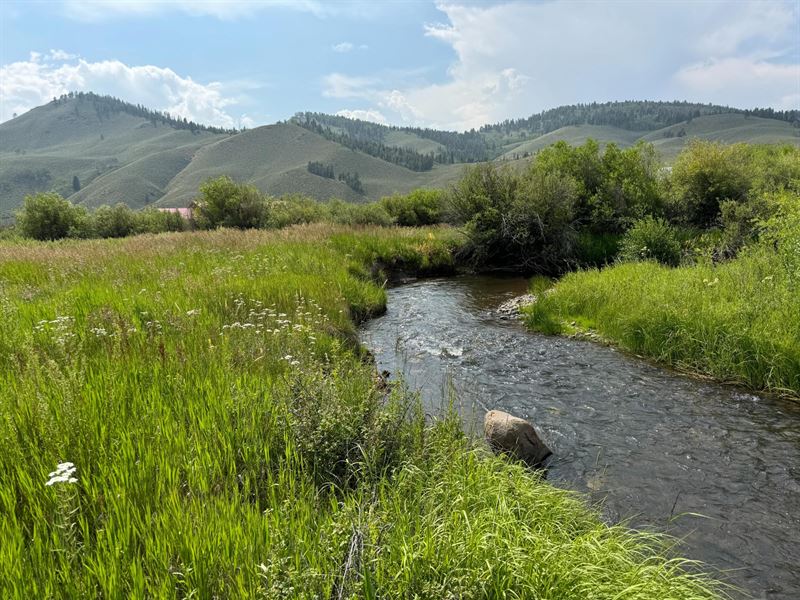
<point>713,465</point>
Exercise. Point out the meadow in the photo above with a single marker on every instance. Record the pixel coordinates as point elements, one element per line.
<point>190,415</point>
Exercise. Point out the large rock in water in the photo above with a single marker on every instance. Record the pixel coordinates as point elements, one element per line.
<point>512,435</point>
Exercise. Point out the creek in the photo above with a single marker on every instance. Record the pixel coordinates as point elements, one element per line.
<point>713,465</point>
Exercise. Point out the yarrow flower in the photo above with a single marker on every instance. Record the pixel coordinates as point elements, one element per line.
<point>63,474</point>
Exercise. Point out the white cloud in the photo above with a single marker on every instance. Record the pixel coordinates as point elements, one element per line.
<point>343,47</point>
<point>101,10</point>
<point>753,82</point>
<point>337,85</point>
<point>226,10</point>
<point>518,58</point>
<point>365,115</point>
<point>26,84</point>
<point>61,55</point>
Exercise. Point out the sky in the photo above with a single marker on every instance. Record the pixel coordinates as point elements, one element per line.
<point>452,65</point>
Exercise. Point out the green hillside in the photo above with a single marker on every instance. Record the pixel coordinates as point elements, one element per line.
<point>116,156</point>
<point>728,128</point>
<point>574,135</point>
<point>669,141</point>
<point>125,153</point>
<point>275,157</point>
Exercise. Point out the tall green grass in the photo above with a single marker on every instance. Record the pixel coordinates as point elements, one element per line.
<point>230,439</point>
<point>738,321</point>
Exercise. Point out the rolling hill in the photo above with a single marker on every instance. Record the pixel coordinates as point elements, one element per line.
<point>124,153</point>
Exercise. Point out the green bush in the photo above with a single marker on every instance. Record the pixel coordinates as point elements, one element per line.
<point>114,222</point>
<point>537,228</point>
<point>48,216</point>
<point>479,201</point>
<point>782,234</point>
<point>706,174</point>
<point>294,210</point>
<point>651,239</point>
<point>8,232</point>
<point>152,220</point>
<point>420,207</point>
<point>347,213</point>
<point>614,187</point>
<point>225,203</point>
<point>596,249</point>
<point>511,219</point>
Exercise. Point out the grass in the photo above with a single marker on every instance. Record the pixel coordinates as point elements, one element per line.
<point>738,322</point>
<point>231,440</point>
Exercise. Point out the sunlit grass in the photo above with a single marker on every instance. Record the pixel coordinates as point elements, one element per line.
<point>738,321</point>
<point>229,438</point>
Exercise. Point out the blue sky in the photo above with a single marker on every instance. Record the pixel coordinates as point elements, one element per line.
<point>454,64</point>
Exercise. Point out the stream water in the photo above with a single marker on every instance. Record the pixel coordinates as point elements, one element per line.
<point>713,465</point>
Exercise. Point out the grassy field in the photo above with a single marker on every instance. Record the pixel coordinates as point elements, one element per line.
<point>738,321</point>
<point>228,438</point>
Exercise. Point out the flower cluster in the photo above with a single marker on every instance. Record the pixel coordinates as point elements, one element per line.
<point>307,317</point>
<point>60,327</point>
<point>63,474</point>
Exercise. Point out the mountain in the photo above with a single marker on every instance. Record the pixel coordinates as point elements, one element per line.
<point>117,152</point>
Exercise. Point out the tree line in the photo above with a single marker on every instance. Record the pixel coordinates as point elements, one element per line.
<point>405,157</point>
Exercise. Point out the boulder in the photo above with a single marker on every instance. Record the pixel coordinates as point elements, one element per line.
<point>514,436</point>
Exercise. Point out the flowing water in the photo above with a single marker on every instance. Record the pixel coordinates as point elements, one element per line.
<point>713,465</point>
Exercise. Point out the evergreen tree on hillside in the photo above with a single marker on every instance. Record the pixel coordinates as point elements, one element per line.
<point>76,184</point>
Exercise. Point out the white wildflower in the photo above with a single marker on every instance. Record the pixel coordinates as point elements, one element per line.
<point>63,474</point>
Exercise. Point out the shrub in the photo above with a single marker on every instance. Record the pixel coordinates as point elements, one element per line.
<point>294,210</point>
<point>651,239</point>
<point>152,220</point>
<point>596,249</point>
<point>705,175</point>
<point>512,219</point>
<point>48,216</point>
<point>782,233</point>
<point>420,207</point>
<point>8,232</point>
<point>538,226</point>
<point>613,187</point>
<point>479,201</point>
<point>114,222</point>
<point>225,203</point>
<point>346,213</point>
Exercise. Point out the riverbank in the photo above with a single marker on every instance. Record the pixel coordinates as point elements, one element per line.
<point>738,322</point>
<point>219,434</point>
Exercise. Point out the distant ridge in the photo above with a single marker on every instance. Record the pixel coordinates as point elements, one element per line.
<point>101,150</point>
<point>105,106</point>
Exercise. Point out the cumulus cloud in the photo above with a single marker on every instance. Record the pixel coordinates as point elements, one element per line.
<point>517,58</point>
<point>343,47</point>
<point>26,84</point>
<point>364,115</point>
